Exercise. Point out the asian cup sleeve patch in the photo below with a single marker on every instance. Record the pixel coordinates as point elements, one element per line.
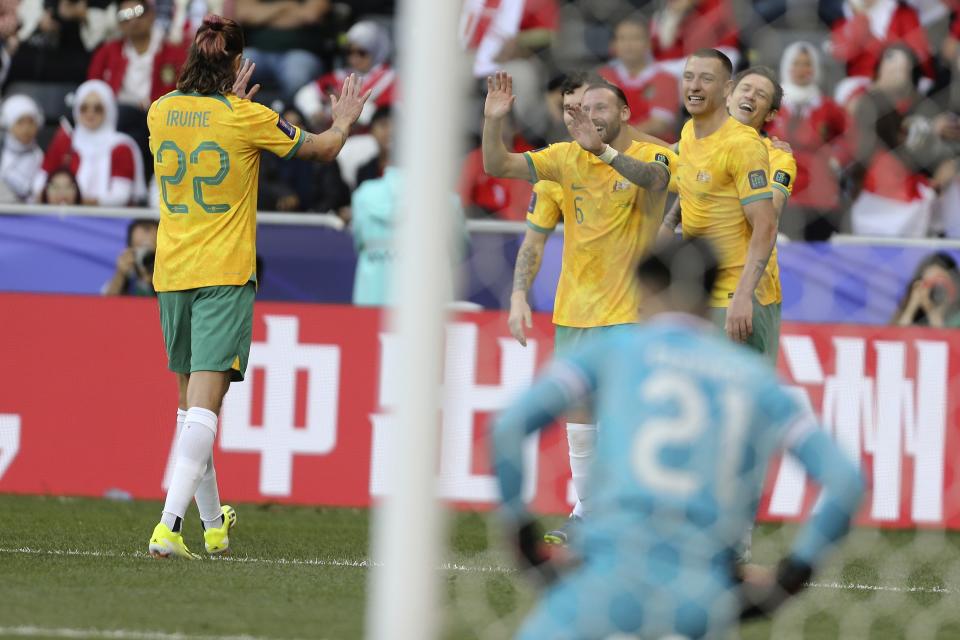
<point>533,202</point>
<point>661,157</point>
<point>782,177</point>
<point>758,179</point>
<point>288,129</point>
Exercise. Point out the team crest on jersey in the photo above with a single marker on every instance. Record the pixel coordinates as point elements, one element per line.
<point>288,129</point>
<point>660,157</point>
<point>782,177</point>
<point>758,179</point>
<point>703,176</point>
<point>621,185</point>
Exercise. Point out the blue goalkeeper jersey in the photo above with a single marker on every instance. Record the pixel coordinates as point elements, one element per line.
<point>687,425</point>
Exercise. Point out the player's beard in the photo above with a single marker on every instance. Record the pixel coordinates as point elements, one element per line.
<point>611,130</point>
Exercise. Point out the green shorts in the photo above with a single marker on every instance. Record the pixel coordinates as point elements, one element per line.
<point>208,329</point>
<point>765,338</point>
<point>568,339</point>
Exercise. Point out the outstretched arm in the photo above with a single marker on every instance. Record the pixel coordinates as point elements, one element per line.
<point>649,175</point>
<point>498,161</point>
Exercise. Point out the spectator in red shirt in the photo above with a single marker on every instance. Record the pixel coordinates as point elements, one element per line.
<point>368,56</point>
<point>140,67</point>
<point>653,95</point>
<point>683,26</point>
<point>484,196</point>
<point>905,149</point>
<point>867,28</point>
<point>815,127</point>
<point>107,163</point>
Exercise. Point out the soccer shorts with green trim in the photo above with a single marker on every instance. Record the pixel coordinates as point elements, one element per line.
<point>765,338</point>
<point>208,329</point>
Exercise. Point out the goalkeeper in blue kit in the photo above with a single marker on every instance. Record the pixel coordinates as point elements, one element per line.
<point>690,424</point>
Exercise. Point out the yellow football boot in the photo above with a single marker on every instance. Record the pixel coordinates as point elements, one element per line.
<point>217,539</point>
<point>164,543</point>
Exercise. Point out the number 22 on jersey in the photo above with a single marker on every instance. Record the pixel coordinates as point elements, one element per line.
<point>169,147</point>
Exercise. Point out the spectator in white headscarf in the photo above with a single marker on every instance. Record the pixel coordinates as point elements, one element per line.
<point>107,163</point>
<point>21,157</point>
<point>367,54</point>
<point>815,127</point>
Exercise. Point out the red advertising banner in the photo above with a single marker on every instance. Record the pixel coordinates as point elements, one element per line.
<point>88,407</point>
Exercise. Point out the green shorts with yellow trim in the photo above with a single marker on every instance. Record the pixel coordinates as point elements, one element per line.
<point>208,329</point>
<point>765,338</point>
<point>569,339</point>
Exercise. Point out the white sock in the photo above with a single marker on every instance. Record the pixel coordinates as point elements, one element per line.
<point>582,441</point>
<point>194,449</point>
<point>208,498</point>
<point>577,509</point>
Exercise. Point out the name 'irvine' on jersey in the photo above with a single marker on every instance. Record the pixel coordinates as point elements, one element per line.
<point>206,151</point>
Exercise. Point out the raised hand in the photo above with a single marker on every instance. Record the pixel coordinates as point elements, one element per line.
<point>500,96</point>
<point>243,77</point>
<point>346,109</point>
<point>584,131</point>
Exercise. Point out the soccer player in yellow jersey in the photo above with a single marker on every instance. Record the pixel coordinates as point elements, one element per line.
<point>754,101</point>
<point>723,179</point>
<point>206,139</point>
<point>608,223</point>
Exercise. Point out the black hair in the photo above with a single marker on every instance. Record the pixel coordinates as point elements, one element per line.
<point>573,81</point>
<point>609,86</point>
<point>716,55</point>
<point>384,112</point>
<point>140,222</point>
<point>916,68</point>
<point>764,72</point>
<point>690,264</point>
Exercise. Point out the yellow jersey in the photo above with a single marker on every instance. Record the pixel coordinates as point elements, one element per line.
<point>608,223</point>
<point>206,152</point>
<point>716,176</point>
<point>783,171</point>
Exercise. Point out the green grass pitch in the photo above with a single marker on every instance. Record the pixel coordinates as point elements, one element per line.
<point>77,568</point>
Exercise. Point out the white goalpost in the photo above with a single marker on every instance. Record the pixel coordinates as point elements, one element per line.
<point>407,534</point>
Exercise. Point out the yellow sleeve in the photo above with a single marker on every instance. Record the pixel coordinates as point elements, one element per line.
<point>749,166</point>
<point>267,131</point>
<point>660,155</point>
<point>546,206</point>
<point>546,163</point>
<point>783,166</point>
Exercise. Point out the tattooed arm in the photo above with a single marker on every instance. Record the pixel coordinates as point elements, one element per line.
<point>652,176</point>
<point>763,219</point>
<point>668,228</point>
<point>528,265</point>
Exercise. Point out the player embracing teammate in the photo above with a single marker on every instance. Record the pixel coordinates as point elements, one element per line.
<point>732,186</point>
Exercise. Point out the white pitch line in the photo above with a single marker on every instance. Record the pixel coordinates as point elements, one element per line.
<point>319,562</point>
<point>111,634</point>
<point>446,566</point>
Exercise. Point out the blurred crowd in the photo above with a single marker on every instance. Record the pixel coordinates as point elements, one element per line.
<point>869,108</point>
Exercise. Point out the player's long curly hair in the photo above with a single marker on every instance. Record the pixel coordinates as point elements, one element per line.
<point>211,64</point>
